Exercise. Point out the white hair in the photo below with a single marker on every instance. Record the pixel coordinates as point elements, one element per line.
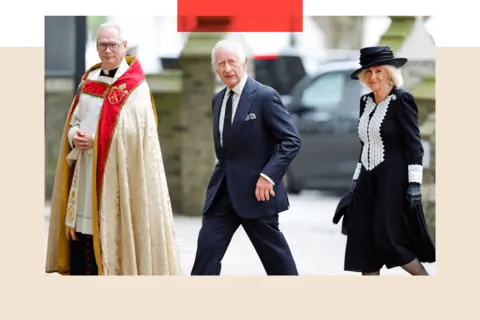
<point>113,25</point>
<point>231,45</point>
<point>394,74</point>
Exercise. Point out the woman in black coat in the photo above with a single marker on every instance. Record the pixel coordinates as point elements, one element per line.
<point>386,226</point>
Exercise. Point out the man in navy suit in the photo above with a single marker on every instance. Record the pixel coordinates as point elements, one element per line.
<point>255,141</point>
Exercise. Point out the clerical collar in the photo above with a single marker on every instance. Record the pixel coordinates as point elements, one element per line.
<point>108,73</point>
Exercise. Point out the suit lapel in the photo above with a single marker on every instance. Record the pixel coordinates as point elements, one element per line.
<point>243,108</point>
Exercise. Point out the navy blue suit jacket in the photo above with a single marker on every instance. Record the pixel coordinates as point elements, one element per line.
<point>266,144</point>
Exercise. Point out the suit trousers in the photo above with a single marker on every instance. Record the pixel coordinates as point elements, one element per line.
<point>220,223</point>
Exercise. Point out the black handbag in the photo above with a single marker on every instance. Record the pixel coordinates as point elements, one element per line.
<point>343,210</point>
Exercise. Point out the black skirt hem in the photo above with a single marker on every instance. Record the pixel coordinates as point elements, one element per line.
<point>389,265</point>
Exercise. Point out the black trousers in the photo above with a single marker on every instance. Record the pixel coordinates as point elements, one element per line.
<point>218,227</point>
<point>82,256</point>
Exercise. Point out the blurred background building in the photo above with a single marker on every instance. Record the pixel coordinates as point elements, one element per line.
<point>311,72</point>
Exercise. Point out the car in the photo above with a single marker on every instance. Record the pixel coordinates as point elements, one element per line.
<point>325,108</point>
<point>284,69</point>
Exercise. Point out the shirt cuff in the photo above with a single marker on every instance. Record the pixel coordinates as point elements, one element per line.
<point>415,173</point>
<point>268,178</point>
<point>71,133</point>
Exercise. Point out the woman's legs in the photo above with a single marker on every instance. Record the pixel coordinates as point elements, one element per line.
<point>375,273</point>
<point>415,268</point>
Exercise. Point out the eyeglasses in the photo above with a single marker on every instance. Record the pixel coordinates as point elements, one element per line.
<point>113,46</point>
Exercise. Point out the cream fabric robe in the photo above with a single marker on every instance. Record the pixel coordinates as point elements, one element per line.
<point>136,228</point>
<point>85,118</point>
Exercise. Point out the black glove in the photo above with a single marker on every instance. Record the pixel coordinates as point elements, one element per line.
<point>414,195</point>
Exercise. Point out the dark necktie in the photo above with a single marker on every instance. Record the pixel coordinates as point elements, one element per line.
<point>227,123</point>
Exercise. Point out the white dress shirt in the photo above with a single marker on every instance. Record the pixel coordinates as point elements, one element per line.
<point>238,89</point>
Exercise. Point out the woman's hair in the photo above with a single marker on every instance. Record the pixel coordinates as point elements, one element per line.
<point>394,74</point>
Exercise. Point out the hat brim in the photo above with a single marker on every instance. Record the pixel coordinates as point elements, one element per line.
<point>396,62</point>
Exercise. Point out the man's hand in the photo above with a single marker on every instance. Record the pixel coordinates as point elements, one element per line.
<point>82,140</point>
<point>71,234</point>
<point>264,189</point>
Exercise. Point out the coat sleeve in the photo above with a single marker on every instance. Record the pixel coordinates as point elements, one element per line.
<point>358,169</point>
<point>74,126</point>
<point>75,121</point>
<point>281,124</point>
<point>407,114</point>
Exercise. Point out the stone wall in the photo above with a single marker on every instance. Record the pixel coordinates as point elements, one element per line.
<point>166,89</point>
<point>424,95</point>
<point>58,96</point>
<point>400,28</point>
<point>199,82</point>
<point>429,181</point>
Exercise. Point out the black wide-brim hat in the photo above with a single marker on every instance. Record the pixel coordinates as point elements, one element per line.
<point>377,56</point>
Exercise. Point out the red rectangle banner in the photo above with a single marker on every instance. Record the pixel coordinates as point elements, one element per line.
<point>243,8</point>
<point>240,24</point>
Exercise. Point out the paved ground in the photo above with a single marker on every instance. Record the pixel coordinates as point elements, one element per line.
<point>317,244</point>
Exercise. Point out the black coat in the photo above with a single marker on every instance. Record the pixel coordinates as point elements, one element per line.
<point>382,229</point>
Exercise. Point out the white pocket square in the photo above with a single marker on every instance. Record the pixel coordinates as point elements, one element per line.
<point>251,116</point>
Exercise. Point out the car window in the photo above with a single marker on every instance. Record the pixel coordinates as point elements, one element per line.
<point>281,73</point>
<point>325,92</point>
<point>353,91</point>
